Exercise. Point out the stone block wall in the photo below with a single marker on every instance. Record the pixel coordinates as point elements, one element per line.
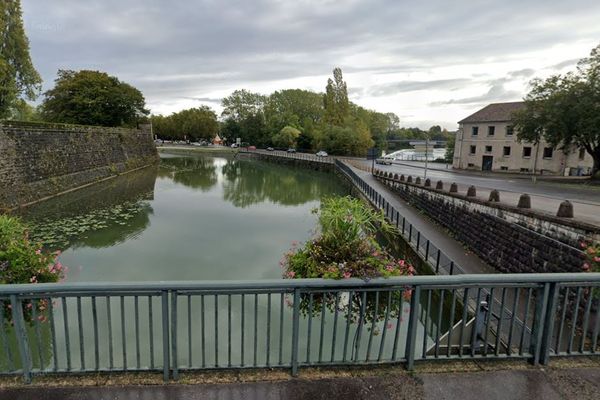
<point>507,241</point>
<point>41,160</point>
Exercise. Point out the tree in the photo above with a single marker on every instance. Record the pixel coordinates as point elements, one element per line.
<point>450,144</point>
<point>93,98</point>
<point>287,137</point>
<point>335,100</point>
<point>18,77</point>
<point>242,104</point>
<point>293,107</point>
<point>192,124</point>
<point>565,110</point>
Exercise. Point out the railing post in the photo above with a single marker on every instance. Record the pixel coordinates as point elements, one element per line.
<point>165,334</point>
<point>437,262</point>
<point>21,334</point>
<point>537,330</point>
<point>174,335</point>
<point>427,251</point>
<point>418,240</point>
<point>295,331</point>
<point>411,338</point>
<point>451,267</point>
<point>549,323</point>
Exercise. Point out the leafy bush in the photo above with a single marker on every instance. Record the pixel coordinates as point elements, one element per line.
<point>22,261</point>
<point>346,248</point>
<point>592,253</point>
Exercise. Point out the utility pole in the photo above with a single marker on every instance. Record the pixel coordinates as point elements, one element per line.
<point>426,153</point>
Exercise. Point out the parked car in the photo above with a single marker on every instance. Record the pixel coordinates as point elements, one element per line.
<point>233,146</point>
<point>322,153</point>
<point>291,150</point>
<point>383,161</point>
<point>270,149</point>
<point>251,147</point>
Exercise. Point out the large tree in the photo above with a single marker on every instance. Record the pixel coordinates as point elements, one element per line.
<point>335,100</point>
<point>565,110</point>
<point>93,98</point>
<point>193,124</point>
<point>18,77</point>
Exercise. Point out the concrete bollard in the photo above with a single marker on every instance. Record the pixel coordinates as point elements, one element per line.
<point>524,201</point>
<point>395,177</point>
<point>471,191</point>
<point>494,196</point>
<point>565,210</point>
<point>454,188</point>
<point>402,178</point>
<point>418,180</point>
<point>427,182</point>
<point>409,179</point>
<point>439,185</point>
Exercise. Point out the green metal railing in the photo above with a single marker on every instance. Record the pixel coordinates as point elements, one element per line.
<point>181,326</point>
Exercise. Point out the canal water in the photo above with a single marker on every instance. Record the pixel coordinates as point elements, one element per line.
<point>191,218</point>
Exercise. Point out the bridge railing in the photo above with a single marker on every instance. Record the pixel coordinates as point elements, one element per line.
<point>421,244</point>
<point>182,326</point>
<point>295,156</point>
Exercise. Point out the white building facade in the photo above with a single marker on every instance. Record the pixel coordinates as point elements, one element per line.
<point>486,141</point>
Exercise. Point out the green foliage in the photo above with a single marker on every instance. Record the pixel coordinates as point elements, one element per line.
<point>93,98</point>
<point>565,109</point>
<point>192,124</point>
<point>449,156</point>
<point>21,261</point>
<point>353,139</point>
<point>287,137</point>
<point>346,246</point>
<point>23,111</point>
<point>293,107</point>
<point>18,77</point>
<point>335,100</point>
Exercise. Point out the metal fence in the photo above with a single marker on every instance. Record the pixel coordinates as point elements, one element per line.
<point>174,327</point>
<point>421,244</point>
<point>295,156</point>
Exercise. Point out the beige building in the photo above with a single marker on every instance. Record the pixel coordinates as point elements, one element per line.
<point>487,141</point>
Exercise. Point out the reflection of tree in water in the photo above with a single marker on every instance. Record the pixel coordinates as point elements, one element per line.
<point>249,182</point>
<point>194,172</point>
<point>101,215</point>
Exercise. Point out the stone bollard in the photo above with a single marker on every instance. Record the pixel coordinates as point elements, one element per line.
<point>439,185</point>
<point>409,179</point>
<point>418,180</point>
<point>427,182</point>
<point>395,177</point>
<point>565,210</point>
<point>524,201</point>
<point>454,188</point>
<point>385,174</point>
<point>402,178</point>
<point>471,191</point>
<point>494,196</point>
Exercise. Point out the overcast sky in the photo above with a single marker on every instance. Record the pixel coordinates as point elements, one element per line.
<point>430,62</point>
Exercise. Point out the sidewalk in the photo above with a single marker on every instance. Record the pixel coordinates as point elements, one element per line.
<point>454,249</point>
<point>532,383</point>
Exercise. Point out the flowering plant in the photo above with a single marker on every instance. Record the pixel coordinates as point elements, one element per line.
<point>346,248</point>
<point>592,253</point>
<point>22,261</point>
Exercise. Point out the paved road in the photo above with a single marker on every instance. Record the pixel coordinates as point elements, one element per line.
<point>546,196</point>
<point>580,384</point>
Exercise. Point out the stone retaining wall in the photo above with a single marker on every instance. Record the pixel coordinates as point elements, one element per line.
<point>41,160</point>
<point>509,241</point>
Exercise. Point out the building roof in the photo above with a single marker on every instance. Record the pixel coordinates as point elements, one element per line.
<point>495,112</point>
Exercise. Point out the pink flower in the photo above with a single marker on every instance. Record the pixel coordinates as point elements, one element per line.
<point>401,263</point>
<point>586,267</point>
<point>347,275</point>
<point>38,252</point>
<point>596,259</point>
<point>33,279</point>
<point>390,268</point>
<point>583,245</point>
<point>291,274</point>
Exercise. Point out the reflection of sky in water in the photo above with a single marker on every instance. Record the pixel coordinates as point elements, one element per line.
<point>208,218</point>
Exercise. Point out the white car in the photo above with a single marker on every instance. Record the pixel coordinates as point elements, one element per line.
<point>322,154</point>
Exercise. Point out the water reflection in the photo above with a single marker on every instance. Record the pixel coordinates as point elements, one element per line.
<point>98,216</point>
<point>248,182</point>
<point>194,172</point>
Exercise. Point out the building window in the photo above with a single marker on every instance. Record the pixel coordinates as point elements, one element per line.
<point>475,131</point>
<point>488,149</point>
<point>473,149</point>
<point>524,169</point>
<point>581,154</point>
<point>509,130</point>
<point>471,165</point>
<point>548,151</point>
<point>504,168</point>
<point>506,151</point>
<point>491,130</point>
<point>526,152</point>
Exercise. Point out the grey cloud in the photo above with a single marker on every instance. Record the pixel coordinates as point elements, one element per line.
<point>496,93</point>
<point>564,64</point>
<point>185,48</point>
<point>411,86</point>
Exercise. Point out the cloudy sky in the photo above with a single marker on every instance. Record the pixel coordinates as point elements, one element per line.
<point>430,62</point>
